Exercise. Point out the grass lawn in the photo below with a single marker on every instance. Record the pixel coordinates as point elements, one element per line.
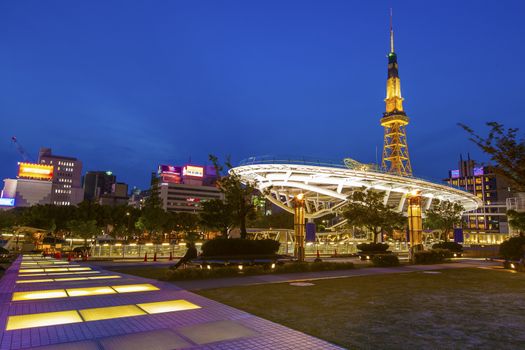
<point>454,309</point>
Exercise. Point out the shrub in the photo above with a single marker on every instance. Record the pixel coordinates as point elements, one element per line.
<point>512,249</point>
<point>433,256</point>
<point>373,247</point>
<point>385,260</point>
<point>236,246</point>
<point>233,270</point>
<point>452,246</point>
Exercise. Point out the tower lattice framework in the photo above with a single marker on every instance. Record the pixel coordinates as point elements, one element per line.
<point>395,157</point>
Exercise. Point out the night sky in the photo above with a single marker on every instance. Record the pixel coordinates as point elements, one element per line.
<point>127,85</point>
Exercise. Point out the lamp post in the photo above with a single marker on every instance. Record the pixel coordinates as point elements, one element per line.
<point>299,227</point>
<point>415,223</point>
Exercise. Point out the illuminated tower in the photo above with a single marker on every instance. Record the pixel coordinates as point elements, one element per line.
<point>395,149</point>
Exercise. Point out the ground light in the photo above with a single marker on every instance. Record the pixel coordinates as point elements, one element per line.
<point>167,306</point>
<point>43,319</point>
<point>130,288</point>
<point>39,294</point>
<point>80,292</point>
<point>104,313</point>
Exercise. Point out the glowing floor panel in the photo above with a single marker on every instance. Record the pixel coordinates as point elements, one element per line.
<point>80,292</point>
<point>36,281</point>
<point>130,288</point>
<point>104,313</point>
<point>39,294</point>
<point>43,319</point>
<point>167,306</point>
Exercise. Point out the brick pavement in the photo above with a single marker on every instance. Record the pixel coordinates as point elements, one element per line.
<point>210,325</point>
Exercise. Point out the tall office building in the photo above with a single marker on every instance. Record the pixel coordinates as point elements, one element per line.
<point>98,183</point>
<point>488,224</point>
<point>67,177</point>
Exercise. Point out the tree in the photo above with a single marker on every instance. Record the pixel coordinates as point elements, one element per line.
<point>505,149</point>
<point>217,215</point>
<point>517,221</point>
<point>84,229</point>
<point>367,209</point>
<point>444,217</point>
<point>237,194</point>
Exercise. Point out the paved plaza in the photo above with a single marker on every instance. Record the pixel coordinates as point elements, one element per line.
<point>53,304</point>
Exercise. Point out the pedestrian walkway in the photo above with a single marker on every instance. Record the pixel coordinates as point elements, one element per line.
<point>52,304</point>
<point>311,276</point>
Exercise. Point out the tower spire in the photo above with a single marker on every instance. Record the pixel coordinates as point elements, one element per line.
<point>395,149</point>
<point>391,33</point>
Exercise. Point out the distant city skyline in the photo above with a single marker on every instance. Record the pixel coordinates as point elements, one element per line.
<point>128,88</point>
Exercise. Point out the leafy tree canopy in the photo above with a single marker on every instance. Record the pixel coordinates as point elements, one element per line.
<point>505,149</point>
<point>444,217</point>
<point>367,209</point>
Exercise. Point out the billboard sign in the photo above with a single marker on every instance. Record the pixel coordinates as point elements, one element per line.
<point>169,169</point>
<point>35,171</point>
<point>454,173</point>
<point>7,202</point>
<point>192,170</point>
<point>478,171</point>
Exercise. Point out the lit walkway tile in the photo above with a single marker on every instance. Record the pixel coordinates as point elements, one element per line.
<point>80,292</point>
<point>167,306</point>
<point>100,277</point>
<point>105,313</point>
<point>39,294</point>
<point>43,319</point>
<point>36,281</point>
<point>30,270</point>
<point>130,288</point>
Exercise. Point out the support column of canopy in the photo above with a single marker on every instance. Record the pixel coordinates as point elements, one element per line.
<point>415,224</point>
<point>299,227</point>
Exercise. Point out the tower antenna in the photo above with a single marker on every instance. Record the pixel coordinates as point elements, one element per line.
<point>391,32</point>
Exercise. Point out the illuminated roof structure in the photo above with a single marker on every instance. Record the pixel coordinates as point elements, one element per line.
<point>326,185</point>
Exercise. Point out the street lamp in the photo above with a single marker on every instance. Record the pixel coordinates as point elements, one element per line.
<point>299,227</point>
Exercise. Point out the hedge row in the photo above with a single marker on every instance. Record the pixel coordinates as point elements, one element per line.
<point>452,246</point>
<point>236,246</point>
<point>433,256</point>
<point>385,260</point>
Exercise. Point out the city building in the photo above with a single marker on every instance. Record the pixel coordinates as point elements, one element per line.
<point>32,186</point>
<point>488,224</point>
<point>98,183</point>
<point>67,177</point>
<point>184,188</point>
<point>117,196</point>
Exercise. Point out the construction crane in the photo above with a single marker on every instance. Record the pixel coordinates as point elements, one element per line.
<point>21,150</point>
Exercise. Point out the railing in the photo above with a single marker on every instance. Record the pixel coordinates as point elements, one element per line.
<point>295,160</point>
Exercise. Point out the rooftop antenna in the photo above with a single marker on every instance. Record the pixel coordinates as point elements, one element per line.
<point>391,32</point>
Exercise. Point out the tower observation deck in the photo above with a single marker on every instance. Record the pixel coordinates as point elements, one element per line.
<point>395,158</point>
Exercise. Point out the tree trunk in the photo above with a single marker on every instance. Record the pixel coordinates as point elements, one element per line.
<point>243,227</point>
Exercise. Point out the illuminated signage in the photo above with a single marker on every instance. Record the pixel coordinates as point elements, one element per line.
<point>7,202</point>
<point>478,171</point>
<point>35,171</point>
<point>454,174</point>
<point>169,169</point>
<point>191,170</point>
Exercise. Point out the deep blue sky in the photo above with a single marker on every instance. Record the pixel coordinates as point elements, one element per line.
<point>126,85</point>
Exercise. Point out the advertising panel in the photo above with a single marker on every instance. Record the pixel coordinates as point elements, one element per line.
<point>7,202</point>
<point>454,173</point>
<point>478,171</point>
<point>35,171</point>
<point>192,170</point>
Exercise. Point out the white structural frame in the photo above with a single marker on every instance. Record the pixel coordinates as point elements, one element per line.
<point>326,188</point>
